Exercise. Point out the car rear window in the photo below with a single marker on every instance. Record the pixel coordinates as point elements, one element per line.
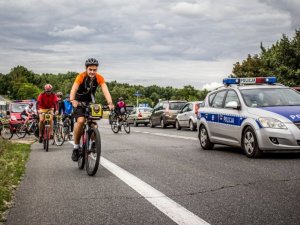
<point>176,105</point>
<point>145,110</point>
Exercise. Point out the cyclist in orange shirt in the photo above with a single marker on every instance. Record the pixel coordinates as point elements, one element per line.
<point>83,90</point>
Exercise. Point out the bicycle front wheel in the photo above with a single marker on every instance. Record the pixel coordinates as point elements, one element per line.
<point>115,127</point>
<point>46,138</point>
<point>21,131</point>
<point>5,132</point>
<point>58,135</point>
<point>93,151</point>
<point>126,127</point>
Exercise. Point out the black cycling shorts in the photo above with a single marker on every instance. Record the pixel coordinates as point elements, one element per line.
<point>78,112</point>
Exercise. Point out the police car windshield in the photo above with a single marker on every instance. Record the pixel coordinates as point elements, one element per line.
<point>261,97</point>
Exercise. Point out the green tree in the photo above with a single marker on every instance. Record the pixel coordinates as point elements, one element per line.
<point>282,60</point>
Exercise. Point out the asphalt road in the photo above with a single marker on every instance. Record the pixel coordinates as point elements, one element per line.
<point>167,171</point>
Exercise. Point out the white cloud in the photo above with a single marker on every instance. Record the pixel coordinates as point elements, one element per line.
<point>142,35</point>
<point>191,9</point>
<point>212,86</point>
<point>71,32</point>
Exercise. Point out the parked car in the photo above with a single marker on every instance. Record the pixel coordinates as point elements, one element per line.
<point>256,114</point>
<point>187,116</point>
<point>140,115</point>
<point>165,112</point>
<point>16,107</point>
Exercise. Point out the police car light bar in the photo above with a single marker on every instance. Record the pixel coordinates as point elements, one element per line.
<point>250,80</point>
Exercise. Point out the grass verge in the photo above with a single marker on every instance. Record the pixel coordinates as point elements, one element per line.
<point>13,158</point>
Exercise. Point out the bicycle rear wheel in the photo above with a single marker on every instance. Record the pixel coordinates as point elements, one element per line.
<point>58,135</point>
<point>5,132</point>
<point>21,131</point>
<point>126,126</point>
<point>93,151</point>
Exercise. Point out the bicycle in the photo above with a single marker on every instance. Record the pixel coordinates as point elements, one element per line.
<point>6,129</point>
<point>46,129</point>
<point>58,138</point>
<point>119,121</point>
<point>28,128</point>
<point>90,152</point>
<point>67,128</point>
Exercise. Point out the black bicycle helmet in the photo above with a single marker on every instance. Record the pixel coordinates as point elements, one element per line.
<point>91,62</point>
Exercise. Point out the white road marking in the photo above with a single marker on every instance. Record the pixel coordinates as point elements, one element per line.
<point>173,210</point>
<point>168,135</point>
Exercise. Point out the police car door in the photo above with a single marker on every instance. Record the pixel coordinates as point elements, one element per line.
<point>214,114</point>
<point>230,119</point>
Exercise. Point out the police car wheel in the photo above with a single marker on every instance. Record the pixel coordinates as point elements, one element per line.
<point>249,144</point>
<point>177,125</point>
<point>204,139</point>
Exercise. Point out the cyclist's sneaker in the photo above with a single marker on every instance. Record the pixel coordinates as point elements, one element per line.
<point>75,154</point>
<point>40,139</point>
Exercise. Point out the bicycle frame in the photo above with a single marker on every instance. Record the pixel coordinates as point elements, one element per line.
<point>46,131</point>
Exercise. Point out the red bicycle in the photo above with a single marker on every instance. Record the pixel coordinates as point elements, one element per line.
<point>46,130</point>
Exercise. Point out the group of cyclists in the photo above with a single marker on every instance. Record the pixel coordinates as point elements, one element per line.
<point>82,93</point>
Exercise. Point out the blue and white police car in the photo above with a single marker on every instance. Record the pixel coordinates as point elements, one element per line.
<point>256,114</point>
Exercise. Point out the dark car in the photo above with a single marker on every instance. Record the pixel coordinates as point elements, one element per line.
<point>165,112</point>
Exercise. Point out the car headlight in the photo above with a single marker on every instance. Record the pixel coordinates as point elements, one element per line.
<point>271,123</point>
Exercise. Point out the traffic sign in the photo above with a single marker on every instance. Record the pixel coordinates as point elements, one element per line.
<point>137,94</point>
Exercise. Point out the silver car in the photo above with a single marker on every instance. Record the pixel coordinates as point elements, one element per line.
<point>140,115</point>
<point>187,116</point>
<point>257,117</point>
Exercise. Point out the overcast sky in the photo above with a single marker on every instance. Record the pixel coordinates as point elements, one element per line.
<point>162,42</point>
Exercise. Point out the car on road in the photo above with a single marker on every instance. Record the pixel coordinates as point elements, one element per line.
<point>256,114</point>
<point>165,112</point>
<point>187,116</point>
<point>140,115</point>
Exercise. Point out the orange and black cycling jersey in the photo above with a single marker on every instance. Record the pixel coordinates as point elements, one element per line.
<point>87,86</point>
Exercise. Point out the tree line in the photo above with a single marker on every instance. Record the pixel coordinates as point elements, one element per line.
<point>20,83</point>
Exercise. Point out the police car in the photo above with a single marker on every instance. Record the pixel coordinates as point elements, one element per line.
<point>256,114</point>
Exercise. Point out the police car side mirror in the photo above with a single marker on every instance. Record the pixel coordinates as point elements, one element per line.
<point>232,105</point>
